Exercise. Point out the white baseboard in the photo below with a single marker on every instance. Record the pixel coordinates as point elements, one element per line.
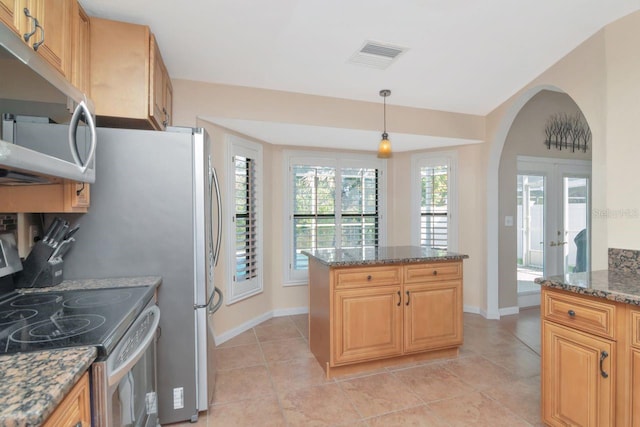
<point>471,309</point>
<point>507,311</point>
<point>528,299</point>
<point>290,311</point>
<point>232,333</point>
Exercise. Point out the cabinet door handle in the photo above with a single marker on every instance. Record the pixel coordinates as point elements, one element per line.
<point>435,272</point>
<point>36,25</point>
<point>369,277</point>
<point>408,298</point>
<point>571,313</point>
<point>603,355</point>
<point>399,298</point>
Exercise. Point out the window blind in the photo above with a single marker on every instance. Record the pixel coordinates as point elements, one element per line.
<point>434,212</point>
<point>245,219</point>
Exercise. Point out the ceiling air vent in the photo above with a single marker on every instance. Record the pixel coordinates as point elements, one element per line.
<point>376,55</point>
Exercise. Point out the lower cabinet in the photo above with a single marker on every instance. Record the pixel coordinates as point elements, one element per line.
<point>590,360</point>
<point>368,324</point>
<point>75,409</point>
<point>635,387</point>
<point>432,315</point>
<point>578,377</point>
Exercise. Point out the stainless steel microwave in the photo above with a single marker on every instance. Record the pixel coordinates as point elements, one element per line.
<point>29,87</point>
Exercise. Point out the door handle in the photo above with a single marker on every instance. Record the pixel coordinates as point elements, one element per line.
<point>82,111</point>
<point>603,355</point>
<point>408,298</point>
<point>399,298</point>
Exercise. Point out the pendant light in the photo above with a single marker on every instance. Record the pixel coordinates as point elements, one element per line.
<point>384,150</point>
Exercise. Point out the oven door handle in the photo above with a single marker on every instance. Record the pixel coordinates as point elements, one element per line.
<point>114,375</point>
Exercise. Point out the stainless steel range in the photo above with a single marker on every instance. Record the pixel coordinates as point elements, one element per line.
<point>120,322</point>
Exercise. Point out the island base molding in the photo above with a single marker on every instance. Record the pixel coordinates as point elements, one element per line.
<point>373,365</point>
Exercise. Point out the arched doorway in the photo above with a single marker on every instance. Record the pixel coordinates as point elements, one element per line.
<point>502,221</point>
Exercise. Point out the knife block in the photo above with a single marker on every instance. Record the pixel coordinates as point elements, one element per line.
<point>38,271</point>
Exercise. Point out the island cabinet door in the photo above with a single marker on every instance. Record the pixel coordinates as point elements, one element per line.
<point>432,315</point>
<point>578,371</point>
<point>368,324</point>
<point>635,387</point>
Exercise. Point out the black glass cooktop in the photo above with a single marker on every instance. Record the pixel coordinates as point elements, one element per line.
<point>46,320</point>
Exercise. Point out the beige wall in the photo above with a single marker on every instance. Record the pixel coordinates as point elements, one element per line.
<point>525,138</point>
<point>600,75</point>
<point>194,102</point>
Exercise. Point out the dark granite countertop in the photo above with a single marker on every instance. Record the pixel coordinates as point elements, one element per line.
<point>381,255</point>
<point>613,285</point>
<point>32,385</point>
<point>111,282</point>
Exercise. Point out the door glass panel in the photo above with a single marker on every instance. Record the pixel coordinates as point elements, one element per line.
<point>531,222</point>
<point>576,239</point>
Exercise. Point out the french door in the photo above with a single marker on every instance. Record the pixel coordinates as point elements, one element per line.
<point>553,219</point>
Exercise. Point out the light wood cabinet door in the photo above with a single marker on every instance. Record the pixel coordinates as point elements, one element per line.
<point>75,409</point>
<point>367,324</point>
<point>432,315</point>
<point>635,387</point>
<point>11,14</point>
<point>53,40</point>
<point>161,97</point>
<point>81,53</point>
<point>578,372</point>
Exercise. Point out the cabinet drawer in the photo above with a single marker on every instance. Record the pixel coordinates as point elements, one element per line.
<point>414,273</point>
<point>580,313</point>
<point>367,276</point>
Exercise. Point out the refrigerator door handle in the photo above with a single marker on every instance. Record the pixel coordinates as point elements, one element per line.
<point>216,186</point>
<point>215,308</point>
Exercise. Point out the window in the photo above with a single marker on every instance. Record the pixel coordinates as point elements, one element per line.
<point>245,219</point>
<point>332,203</point>
<point>434,198</point>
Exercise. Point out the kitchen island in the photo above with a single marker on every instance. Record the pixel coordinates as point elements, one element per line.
<point>376,307</point>
<point>591,348</point>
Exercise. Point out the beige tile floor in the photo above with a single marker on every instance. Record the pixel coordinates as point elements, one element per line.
<point>268,377</point>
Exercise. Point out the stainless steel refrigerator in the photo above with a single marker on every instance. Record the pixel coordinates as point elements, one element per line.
<point>155,211</point>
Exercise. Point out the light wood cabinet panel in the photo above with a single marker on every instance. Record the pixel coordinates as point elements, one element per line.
<point>432,272</point>
<point>367,277</point>
<point>75,409</point>
<point>591,316</point>
<point>81,50</point>
<point>61,197</point>
<point>11,13</point>
<point>130,85</point>
<point>575,391</point>
<point>432,315</point>
<point>161,95</point>
<point>368,324</point>
<point>52,38</point>
<point>55,17</point>
<point>635,387</point>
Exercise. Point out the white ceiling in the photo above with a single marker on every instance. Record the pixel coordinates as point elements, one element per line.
<point>464,56</point>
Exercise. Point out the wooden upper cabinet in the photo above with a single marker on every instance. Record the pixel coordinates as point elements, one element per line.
<point>128,78</point>
<point>51,37</point>
<point>81,50</point>
<point>161,95</point>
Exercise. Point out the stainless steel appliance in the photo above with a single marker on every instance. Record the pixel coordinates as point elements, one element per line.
<point>120,322</point>
<point>154,212</point>
<point>30,86</point>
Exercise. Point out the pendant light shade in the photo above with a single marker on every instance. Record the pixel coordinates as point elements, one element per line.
<point>384,150</point>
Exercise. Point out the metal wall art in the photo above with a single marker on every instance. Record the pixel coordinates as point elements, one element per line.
<point>567,132</point>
